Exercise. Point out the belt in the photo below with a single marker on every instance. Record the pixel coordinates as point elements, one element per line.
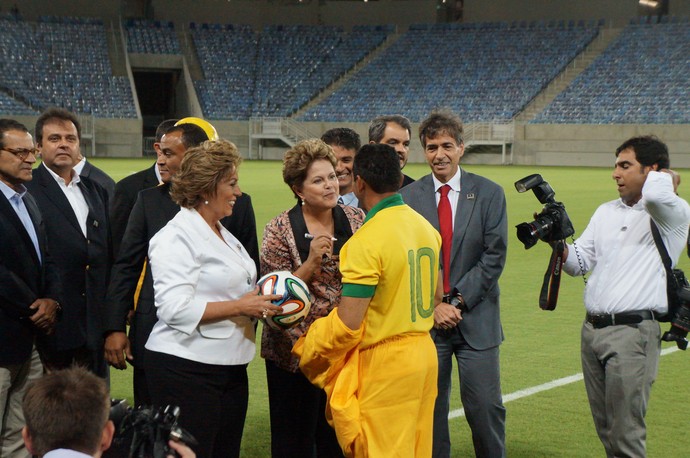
<point>602,320</point>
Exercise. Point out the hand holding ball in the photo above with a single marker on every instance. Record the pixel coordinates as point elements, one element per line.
<point>296,300</point>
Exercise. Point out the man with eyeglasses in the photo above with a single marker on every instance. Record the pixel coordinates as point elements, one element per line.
<point>29,286</point>
<point>77,224</point>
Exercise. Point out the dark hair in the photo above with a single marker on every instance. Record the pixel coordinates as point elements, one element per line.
<point>10,124</point>
<point>438,123</point>
<point>66,409</point>
<point>378,126</point>
<point>378,164</point>
<point>300,157</point>
<point>202,169</point>
<point>192,135</point>
<point>343,137</point>
<point>54,113</point>
<point>649,150</point>
<point>163,128</point>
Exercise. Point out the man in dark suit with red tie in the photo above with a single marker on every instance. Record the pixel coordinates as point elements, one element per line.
<point>76,218</point>
<point>470,213</point>
<point>29,286</point>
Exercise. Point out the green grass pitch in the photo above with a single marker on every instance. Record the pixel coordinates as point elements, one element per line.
<point>539,347</point>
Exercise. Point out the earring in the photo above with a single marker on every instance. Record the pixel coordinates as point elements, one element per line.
<point>206,202</point>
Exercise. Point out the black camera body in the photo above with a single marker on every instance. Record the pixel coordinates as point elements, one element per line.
<point>552,224</point>
<point>678,311</point>
<point>144,432</point>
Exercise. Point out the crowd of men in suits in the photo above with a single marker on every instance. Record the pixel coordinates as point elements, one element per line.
<point>73,270</point>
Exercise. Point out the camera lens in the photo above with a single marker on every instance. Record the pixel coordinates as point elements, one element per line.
<point>530,233</point>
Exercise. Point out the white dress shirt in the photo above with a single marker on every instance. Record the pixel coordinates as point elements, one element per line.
<point>74,196</point>
<point>453,194</point>
<point>618,248</point>
<point>65,453</point>
<point>192,266</point>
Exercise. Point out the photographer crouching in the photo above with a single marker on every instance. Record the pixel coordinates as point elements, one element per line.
<point>627,290</point>
<point>66,414</point>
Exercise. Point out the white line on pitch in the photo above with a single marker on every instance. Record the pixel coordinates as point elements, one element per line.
<point>543,387</point>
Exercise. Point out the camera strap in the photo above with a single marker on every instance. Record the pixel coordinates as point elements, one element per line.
<point>548,297</point>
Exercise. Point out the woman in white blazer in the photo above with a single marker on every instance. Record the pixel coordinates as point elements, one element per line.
<point>207,304</point>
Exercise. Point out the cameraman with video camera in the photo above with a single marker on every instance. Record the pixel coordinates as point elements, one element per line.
<point>627,290</point>
<point>67,416</point>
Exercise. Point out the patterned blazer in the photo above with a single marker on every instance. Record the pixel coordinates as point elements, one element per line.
<point>285,248</point>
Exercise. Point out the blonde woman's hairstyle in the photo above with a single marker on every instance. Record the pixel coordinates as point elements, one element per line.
<point>202,169</point>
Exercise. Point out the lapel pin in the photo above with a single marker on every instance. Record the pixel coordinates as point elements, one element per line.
<point>470,196</point>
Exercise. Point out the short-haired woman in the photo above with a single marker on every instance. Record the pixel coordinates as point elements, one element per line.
<point>207,305</point>
<point>306,241</point>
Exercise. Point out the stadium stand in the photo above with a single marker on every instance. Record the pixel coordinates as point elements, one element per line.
<point>69,67</point>
<point>641,78</point>
<point>151,37</point>
<point>487,72</point>
<point>276,72</point>
<point>227,54</point>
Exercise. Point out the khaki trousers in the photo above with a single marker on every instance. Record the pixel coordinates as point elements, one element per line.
<point>14,380</point>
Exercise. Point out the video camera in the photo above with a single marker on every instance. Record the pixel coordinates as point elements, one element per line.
<point>144,432</point>
<point>552,224</point>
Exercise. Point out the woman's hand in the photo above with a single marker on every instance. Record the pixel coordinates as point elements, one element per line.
<point>256,305</point>
<point>320,246</point>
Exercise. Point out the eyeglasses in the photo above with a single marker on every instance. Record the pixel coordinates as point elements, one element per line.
<point>22,154</point>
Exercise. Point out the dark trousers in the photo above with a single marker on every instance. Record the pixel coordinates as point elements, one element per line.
<point>298,417</point>
<point>92,360</point>
<point>141,387</point>
<point>480,393</point>
<point>212,400</point>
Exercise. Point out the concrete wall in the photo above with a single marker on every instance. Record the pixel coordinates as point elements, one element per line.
<point>618,12</point>
<point>114,137</point>
<point>258,13</point>
<point>594,145</point>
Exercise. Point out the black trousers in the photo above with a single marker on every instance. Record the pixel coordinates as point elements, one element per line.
<point>212,400</point>
<point>298,417</point>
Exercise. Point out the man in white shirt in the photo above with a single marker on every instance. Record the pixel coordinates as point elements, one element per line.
<point>75,212</point>
<point>626,291</point>
<point>345,143</point>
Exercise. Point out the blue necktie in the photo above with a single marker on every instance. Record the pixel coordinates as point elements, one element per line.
<point>25,218</point>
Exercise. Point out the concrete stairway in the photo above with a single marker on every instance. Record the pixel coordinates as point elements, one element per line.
<point>184,36</point>
<point>116,47</point>
<point>335,85</point>
<point>561,82</point>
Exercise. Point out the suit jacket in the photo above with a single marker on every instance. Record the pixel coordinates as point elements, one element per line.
<point>126,191</point>
<point>93,173</point>
<point>83,263</point>
<point>478,254</point>
<point>23,279</point>
<point>406,180</point>
<point>152,211</point>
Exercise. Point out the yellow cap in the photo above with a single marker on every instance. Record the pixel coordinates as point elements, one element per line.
<point>211,132</point>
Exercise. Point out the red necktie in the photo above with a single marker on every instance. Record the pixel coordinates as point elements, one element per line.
<point>445,218</point>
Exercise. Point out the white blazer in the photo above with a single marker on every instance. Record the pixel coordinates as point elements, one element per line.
<point>191,266</point>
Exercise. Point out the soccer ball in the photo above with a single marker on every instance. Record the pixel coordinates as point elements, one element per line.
<point>296,300</point>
